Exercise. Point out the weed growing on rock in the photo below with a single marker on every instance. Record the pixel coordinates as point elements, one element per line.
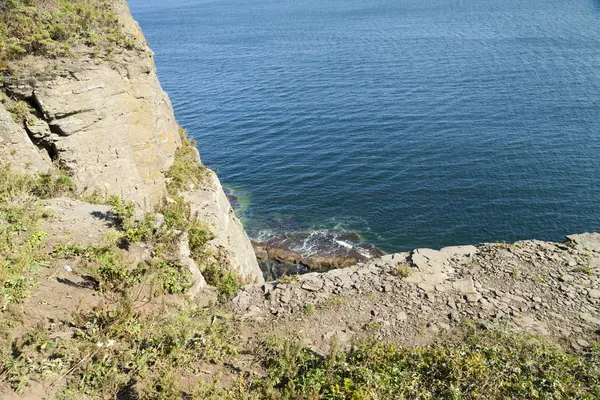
<point>585,269</point>
<point>538,279</point>
<point>308,309</point>
<point>402,271</point>
<point>21,241</point>
<point>228,283</point>
<point>19,110</point>
<point>116,346</point>
<point>186,171</point>
<point>288,279</point>
<point>105,264</point>
<point>135,230</point>
<point>173,278</point>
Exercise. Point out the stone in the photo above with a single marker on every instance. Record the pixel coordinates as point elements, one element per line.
<point>440,288</point>
<point>312,285</point>
<point>590,319</point>
<point>465,286</point>
<point>451,303</point>
<point>583,343</point>
<point>566,278</point>
<point>473,297</point>
<point>17,148</point>
<point>230,242</point>
<point>594,293</point>
<point>586,241</point>
<point>198,281</point>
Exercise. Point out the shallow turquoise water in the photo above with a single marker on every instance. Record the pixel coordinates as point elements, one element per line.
<point>416,123</point>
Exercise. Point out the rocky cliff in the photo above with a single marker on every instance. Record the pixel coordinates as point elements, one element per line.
<point>107,122</point>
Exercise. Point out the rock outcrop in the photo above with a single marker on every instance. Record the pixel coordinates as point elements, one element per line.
<point>552,289</point>
<point>17,149</point>
<point>231,242</point>
<point>109,124</point>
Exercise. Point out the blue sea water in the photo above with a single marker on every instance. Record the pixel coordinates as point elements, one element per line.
<point>415,123</point>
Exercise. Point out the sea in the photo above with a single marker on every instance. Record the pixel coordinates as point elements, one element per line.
<point>390,124</point>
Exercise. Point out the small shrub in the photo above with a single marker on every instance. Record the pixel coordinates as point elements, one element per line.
<point>402,271</point>
<point>173,278</point>
<point>538,279</point>
<point>14,186</point>
<point>308,309</point>
<point>482,364</point>
<point>105,263</point>
<point>584,269</point>
<point>228,283</point>
<point>199,235</point>
<point>20,110</point>
<point>288,279</point>
<point>178,214</point>
<point>135,231</point>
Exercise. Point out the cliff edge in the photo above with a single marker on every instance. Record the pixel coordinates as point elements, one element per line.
<point>102,116</point>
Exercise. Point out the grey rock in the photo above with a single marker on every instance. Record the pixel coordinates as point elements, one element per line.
<point>17,148</point>
<point>198,281</point>
<point>586,241</point>
<point>230,243</point>
<point>465,286</point>
<point>312,285</point>
<point>594,293</point>
<point>590,319</point>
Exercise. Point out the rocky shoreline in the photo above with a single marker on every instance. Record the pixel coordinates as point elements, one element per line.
<point>551,289</point>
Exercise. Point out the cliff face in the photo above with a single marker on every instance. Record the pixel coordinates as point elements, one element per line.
<point>110,125</point>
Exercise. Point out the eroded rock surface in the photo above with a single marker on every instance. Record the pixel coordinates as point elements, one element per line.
<point>231,244</point>
<point>110,125</point>
<point>17,149</point>
<point>540,287</point>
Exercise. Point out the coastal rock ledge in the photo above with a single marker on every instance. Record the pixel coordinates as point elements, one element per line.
<point>550,289</point>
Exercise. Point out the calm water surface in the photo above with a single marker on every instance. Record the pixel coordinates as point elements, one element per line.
<point>416,123</point>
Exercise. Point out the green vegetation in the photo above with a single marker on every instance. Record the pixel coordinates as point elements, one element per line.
<point>227,282</point>
<point>483,364</point>
<point>288,279</point>
<point>538,279</point>
<point>137,343</point>
<point>308,309</point>
<point>19,110</point>
<point>53,28</point>
<point>117,345</point>
<point>173,278</point>
<point>402,271</point>
<point>585,269</point>
<point>135,231</point>
<point>186,169</point>
<point>105,264</point>
<point>21,241</point>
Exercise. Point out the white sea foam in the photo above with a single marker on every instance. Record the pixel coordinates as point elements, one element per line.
<point>343,243</point>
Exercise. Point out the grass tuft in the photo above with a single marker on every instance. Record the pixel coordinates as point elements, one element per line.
<point>187,170</point>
